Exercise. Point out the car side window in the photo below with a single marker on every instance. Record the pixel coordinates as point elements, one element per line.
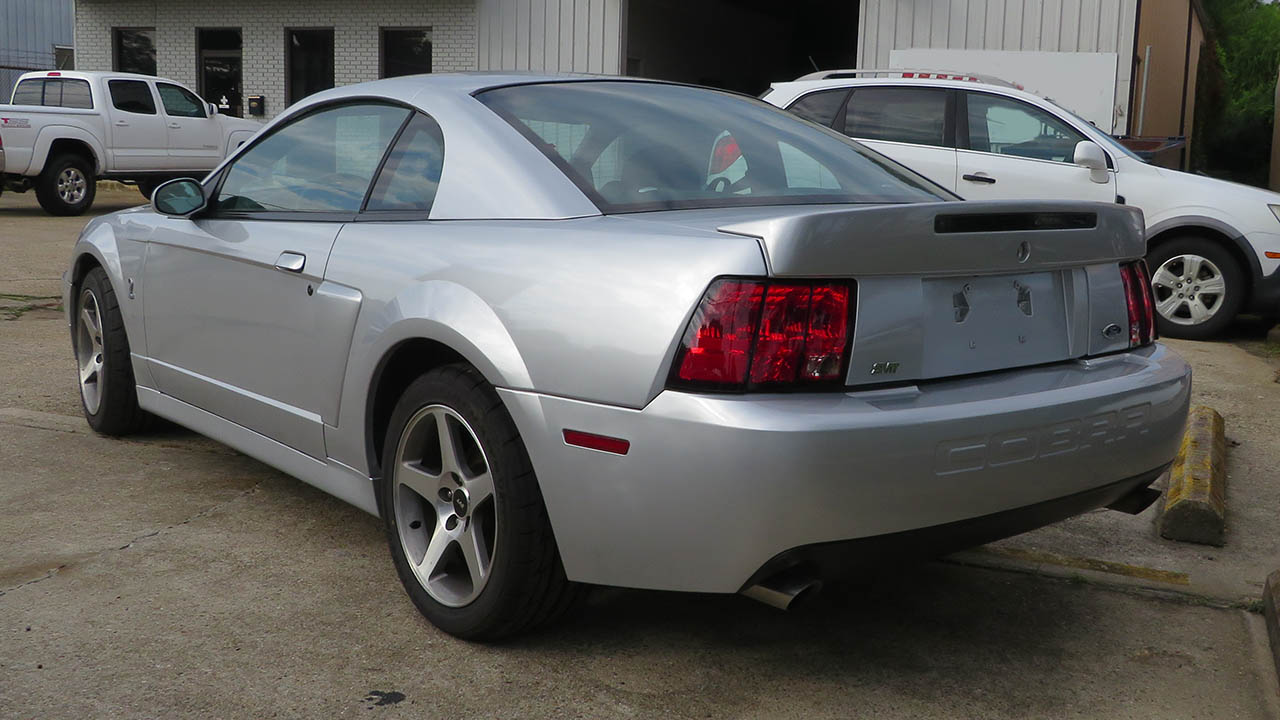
<point>409,178</point>
<point>898,114</point>
<point>323,161</point>
<point>131,96</point>
<point>1010,127</point>
<point>820,107</point>
<point>180,102</point>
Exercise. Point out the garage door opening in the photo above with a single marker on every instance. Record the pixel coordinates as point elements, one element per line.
<point>738,45</point>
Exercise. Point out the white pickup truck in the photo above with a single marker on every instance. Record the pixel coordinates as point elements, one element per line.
<point>65,130</point>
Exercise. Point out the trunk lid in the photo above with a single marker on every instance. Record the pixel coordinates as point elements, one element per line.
<point>946,289</point>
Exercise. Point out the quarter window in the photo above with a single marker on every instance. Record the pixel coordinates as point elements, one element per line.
<point>321,162</point>
<point>820,107</point>
<point>409,178</point>
<point>909,115</point>
<point>132,96</point>
<point>135,50</point>
<point>1010,127</point>
<point>180,102</point>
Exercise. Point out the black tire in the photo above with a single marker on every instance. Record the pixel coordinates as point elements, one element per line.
<point>47,191</point>
<point>526,585</point>
<point>147,188</point>
<point>1226,306</point>
<point>117,412</point>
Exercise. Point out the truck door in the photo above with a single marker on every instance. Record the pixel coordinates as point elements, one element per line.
<point>137,140</point>
<point>195,138</point>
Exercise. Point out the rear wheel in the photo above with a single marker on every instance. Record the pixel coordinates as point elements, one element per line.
<point>464,517</point>
<point>66,186</point>
<point>108,393</point>
<point>1199,287</point>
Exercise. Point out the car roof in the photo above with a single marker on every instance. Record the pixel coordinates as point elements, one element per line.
<point>800,86</point>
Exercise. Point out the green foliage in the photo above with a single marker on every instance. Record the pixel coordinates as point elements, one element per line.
<point>1236,89</point>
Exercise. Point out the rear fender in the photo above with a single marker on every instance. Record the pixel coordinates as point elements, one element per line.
<point>51,133</point>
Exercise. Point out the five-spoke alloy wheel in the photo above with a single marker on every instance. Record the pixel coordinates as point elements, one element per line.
<point>463,512</point>
<point>89,351</point>
<point>108,393</point>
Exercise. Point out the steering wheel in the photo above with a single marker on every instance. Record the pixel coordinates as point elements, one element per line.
<point>719,185</point>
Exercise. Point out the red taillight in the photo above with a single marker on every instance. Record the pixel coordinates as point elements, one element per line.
<point>726,153</point>
<point>758,334</point>
<point>1141,303</point>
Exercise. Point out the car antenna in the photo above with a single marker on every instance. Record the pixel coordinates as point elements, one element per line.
<point>814,64</point>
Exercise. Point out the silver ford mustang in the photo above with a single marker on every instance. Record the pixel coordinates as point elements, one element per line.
<point>568,330</point>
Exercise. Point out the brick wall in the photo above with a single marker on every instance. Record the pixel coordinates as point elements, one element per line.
<point>262,25</point>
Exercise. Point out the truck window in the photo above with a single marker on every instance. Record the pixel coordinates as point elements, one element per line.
<point>179,102</point>
<point>54,92</point>
<point>898,114</point>
<point>132,96</point>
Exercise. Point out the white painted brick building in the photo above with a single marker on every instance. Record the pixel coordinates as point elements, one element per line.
<point>458,30</point>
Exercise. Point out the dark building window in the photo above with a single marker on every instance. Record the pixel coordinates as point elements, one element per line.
<point>406,51</point>
<point>310,62</point>
<point>135,50</point>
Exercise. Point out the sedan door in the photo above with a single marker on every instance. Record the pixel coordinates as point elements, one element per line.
<point>137,130</point>
<point>1012,150</point>
<point>194,138</point>
<point>240,320</point>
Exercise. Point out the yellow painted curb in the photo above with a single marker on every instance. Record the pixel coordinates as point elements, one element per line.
<point>1195,507</point>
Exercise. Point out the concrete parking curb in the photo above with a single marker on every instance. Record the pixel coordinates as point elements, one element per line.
<point>1196,503</point>
<point>1271,613</point>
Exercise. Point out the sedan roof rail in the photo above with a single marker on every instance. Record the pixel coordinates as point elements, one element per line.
<point>909,73</point>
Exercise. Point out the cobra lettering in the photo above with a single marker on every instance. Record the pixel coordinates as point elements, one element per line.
<point>1023,445</point>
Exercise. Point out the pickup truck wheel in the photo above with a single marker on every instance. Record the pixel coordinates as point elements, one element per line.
<point>464,517</point>
<point>108,393</point>
<point>1199,287</point>
<point>66,186</point>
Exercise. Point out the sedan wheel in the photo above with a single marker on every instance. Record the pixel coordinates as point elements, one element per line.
<point>463,513</point>
<point>89,354</point>
<point>445,507</point>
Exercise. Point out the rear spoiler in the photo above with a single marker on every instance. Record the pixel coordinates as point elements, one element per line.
<point>946,238</point>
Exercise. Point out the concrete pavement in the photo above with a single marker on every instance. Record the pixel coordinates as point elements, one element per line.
<point>168,576</point>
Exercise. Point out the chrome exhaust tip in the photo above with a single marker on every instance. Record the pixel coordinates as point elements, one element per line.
<point>784,589</point>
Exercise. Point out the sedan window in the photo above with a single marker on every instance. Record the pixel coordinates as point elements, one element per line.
<point>1009,127</point>
<point>637,146</point>
<point>321,162</point>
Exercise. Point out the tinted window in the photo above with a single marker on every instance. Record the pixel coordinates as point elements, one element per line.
<point>632,146</point>
<point>409,179</point>
<point>1009,127</point>
<point>820,107</point>
<point>179,102</point>
<point>132,96</point>
<point>322,162</point>
<point>910,115</point>
<point>406,51</point>
<point>310,62</point>
<point>135,50</point>
<point>53,92</point>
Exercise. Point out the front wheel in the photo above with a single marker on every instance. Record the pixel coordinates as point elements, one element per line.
<point>1199,287</point>
<point>108,393</point>
<point>66,186</point>
<point>465,521</point>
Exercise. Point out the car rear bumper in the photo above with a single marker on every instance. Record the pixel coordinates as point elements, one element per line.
<point>715,487</point>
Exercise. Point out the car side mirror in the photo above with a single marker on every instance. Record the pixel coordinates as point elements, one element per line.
<point>180,198</point>
<point>211,109</point>
<point>1089,154</point>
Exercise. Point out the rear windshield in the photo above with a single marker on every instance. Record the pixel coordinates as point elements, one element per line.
<point>635,146</point>
<point>55,92</point>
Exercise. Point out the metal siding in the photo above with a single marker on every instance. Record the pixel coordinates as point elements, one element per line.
<point>1030,25</point>
<point>28,31</point>
<point>551,35</point>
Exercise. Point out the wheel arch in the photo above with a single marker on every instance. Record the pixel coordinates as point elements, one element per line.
<point>60,139</point>
<point>1213,231</point>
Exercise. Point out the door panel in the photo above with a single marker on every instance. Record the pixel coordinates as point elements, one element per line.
<point>137,128</point>
<point>195,140</point>
<point>937,164</point>
<point>1020,178</point>
<point>231,333</point>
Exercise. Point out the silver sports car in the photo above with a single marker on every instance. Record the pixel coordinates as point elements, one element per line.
<point>569,330</point>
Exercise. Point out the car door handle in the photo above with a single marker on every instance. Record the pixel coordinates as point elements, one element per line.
<point>291,262</point>
<point>979,179</point>
<point>175,126</point>
<point>122,123</point>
